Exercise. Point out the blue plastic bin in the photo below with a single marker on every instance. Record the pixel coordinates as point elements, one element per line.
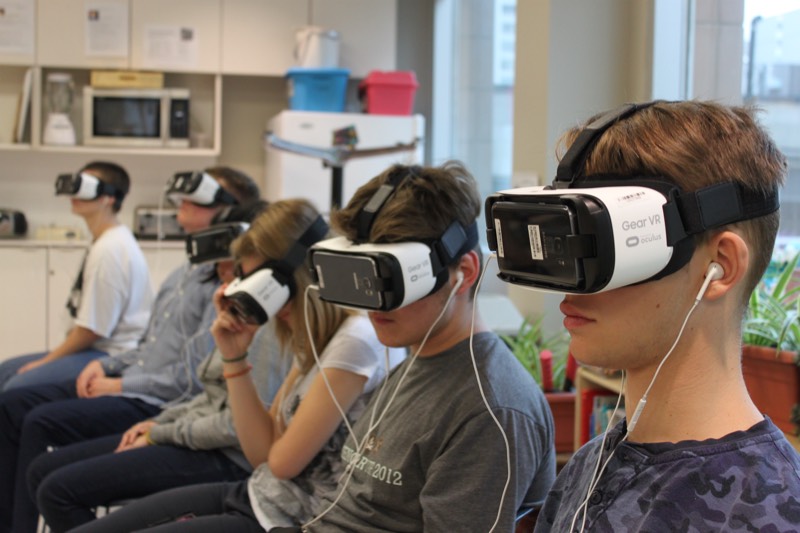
<point>317,89</point>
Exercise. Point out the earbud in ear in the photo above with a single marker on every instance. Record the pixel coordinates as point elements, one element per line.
<point>715,271</point>
<point>459,277</point>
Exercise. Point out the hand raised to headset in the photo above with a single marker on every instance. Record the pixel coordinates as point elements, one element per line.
<point>232,335</point>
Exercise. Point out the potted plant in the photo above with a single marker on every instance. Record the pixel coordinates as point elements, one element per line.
<point>771,338</point>
<point>545,357</point>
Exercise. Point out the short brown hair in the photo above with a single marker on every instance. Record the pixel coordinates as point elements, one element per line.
<point>426,201</point>
<point>270,236</point>
<point>236,182</point>
<point>696,144</point>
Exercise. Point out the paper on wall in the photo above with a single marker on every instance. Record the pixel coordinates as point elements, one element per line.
<point>106,32</point>
<point>16,27</point>
<point>170,47</point>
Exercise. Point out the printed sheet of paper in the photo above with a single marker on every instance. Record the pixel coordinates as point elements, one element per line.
<point>106,30</point>
<point>16,27</point>
<point>170,47</point>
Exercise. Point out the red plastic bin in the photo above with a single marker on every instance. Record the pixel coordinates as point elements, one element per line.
<point>388,92</point>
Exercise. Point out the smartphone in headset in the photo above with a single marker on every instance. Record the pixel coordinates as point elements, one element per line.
<point>348,279</point>
<point>534,241</point>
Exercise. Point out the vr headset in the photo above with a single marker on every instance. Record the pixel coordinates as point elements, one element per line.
<point>592,234</point>
<point>198,188</point>
<point>257,296</point>
<point>213,244</point>
<point>83,186</point>
<point>383,277</point>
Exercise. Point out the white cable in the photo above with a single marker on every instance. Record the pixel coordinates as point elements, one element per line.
<point>483,396</point>
<point>350,468</point>
<point>595,476</point>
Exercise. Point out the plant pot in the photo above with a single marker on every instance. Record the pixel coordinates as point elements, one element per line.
<point>562,405</point>
<point>773,381</point>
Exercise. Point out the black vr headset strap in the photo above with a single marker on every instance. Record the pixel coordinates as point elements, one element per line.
<point>223,197</point>
<point>454,242</point>
<point>296,255</point>
<point>718,205</point>
<point>573,163</point>
<point>367,215</point>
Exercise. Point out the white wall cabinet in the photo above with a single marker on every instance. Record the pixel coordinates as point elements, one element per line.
<point>37,281</point>
<point>63,265</point>
<point>258,36</point>
<point>23,292</point>
<point>61,35</point>
<point>367,29</point>
<point>178,35</point>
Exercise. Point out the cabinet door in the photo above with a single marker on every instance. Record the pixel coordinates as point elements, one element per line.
<point>63,265</point>
<point>176,35</point>
<point>258,36</point>
<point>23,321</point>
<point>161,262</point>
<point>63,37</point>
<point>367,29</point>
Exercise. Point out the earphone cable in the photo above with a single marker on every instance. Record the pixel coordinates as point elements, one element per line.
<point>350,468</point>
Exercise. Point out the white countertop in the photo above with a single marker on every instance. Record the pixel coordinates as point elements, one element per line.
<point>146,244</point>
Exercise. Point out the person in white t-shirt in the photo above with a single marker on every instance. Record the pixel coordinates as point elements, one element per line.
<point>109,304</point>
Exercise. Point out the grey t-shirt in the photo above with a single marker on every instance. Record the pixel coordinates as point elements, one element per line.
<point>745,481</point>
<point>437,460</point>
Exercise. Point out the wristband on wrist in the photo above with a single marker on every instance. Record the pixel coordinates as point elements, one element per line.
<point>235,359</point>
<point>148,439</point>
<point>230,375</point>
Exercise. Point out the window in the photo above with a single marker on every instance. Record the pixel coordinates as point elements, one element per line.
<point>473,87</point>
<point>748,51</point>
<point>771,80</point>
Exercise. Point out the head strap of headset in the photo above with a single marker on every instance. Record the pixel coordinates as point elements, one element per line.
<point>452,244</point>
<point>685,213</point>
<point>283,269</point>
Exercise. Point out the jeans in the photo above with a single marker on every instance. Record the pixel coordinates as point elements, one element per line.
<point>35,418</point>
<point>67,367</point>
<point>70,482</point>
<point>208,508</point>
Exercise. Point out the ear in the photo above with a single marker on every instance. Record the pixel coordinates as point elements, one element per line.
<point>733,255</point>
<point>470,267</point>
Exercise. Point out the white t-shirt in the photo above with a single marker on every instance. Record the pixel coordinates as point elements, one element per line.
<point>355,347</point>
<point>116,296</point>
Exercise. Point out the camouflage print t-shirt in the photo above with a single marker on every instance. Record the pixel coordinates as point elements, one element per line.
<point>745,481</point>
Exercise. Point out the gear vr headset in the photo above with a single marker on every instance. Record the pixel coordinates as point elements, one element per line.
<point>597,233</point>
<point>198,188</point>
<point>84,186</point>
<point>214,243</point>
<point>257,296</point>
<point>385,276</point>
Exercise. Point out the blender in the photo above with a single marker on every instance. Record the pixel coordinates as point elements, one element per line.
<point>59,92</point>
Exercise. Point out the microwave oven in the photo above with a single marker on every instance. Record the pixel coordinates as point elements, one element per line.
<point>136,117</point>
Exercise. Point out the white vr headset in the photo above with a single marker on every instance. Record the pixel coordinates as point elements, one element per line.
<point>383,277</point>
<point>198,188</point>
<point>256,297</point>
<point>587,235</point>
<point>83,186</point>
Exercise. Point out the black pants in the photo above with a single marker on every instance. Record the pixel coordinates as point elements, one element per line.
<point>211,507</point>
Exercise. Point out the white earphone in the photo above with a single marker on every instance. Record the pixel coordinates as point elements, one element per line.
<point>713,272</point>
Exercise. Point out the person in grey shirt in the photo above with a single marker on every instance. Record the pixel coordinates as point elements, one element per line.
<point>432,454</point>
<point>113,393</point>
